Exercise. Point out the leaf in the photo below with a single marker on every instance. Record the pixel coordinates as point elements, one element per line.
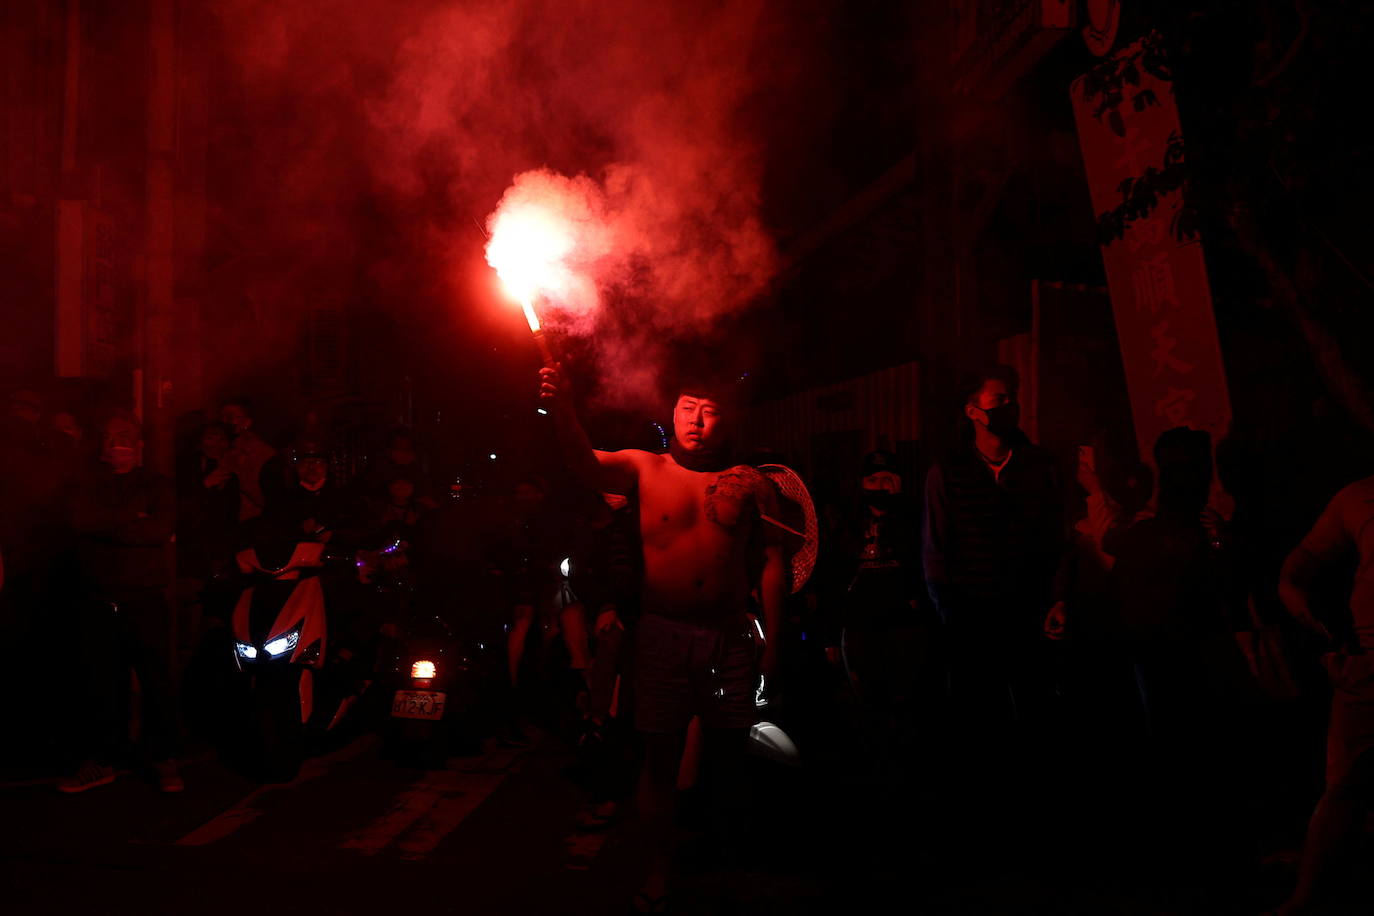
<point>1131,75</point>
<point>1125,187</point>
<point>1115,122</point>
<point>1144,98</point>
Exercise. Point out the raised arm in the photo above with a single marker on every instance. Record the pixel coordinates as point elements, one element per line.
<point>616,472</point>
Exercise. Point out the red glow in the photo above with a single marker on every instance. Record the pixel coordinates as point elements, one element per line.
<point>529,247</point>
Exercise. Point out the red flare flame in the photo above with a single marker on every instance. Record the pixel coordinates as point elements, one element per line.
<point>529,247</point>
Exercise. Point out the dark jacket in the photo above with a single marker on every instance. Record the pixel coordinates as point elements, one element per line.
<point>207,517</point>
<point>873,573</point>
<point>992,545</point>
<point>1169,585</point>
<point>331,506</point>
<point>124,523</point>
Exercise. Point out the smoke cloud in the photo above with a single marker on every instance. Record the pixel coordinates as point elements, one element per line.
<point>631,119</point>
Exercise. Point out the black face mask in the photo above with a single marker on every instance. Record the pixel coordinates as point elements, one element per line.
<point>880,499</point>
<point>1003,420</point>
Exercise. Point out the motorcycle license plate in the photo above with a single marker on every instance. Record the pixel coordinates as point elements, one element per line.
<point>417,704</point>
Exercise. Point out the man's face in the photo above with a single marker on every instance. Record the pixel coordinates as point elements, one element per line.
<point>698,423</point>
<point>993,405</point>
<point>214,443</point>
<point>235,417</point>
<point>120,445</point>
<point>312,471</point>
<point>883,480</point>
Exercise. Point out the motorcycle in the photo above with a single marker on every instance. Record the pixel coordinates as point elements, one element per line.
<point>281,634</point>
<point>436,685</point>
<point>432,681</point>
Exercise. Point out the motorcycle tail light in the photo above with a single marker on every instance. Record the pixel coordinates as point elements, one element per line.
<point>422,670</point>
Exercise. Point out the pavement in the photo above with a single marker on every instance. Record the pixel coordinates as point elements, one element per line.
<point>495,833</point>
<point>353,833</point>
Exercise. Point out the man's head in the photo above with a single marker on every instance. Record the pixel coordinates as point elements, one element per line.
<point>122,444</point>
<point>700,422</point>
<point>236,416</point>
<point>312,466</point>
<point>214,441</point>
<point>882,480</point>
<point>1184,459</point>
<point>990,400</point>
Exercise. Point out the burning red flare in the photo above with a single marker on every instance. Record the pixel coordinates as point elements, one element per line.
<point>529,248</point>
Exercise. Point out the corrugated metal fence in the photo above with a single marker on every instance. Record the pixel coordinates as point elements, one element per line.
<point>883,405</point>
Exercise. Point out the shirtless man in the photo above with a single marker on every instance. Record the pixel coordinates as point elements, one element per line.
<point>1342,536</point>
<point>705,551</point>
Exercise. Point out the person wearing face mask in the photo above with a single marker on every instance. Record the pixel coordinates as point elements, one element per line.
<point>305,502</point>
<point>994,534</point>
<point>880,605</point>
<point>124,516</point>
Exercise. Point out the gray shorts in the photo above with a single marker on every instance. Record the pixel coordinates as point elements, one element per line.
<point>685,669</point>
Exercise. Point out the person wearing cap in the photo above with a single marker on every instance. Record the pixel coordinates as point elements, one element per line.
<point>878,591</point>
<point>303,500</point>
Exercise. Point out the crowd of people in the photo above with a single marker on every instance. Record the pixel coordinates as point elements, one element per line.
<point>140,571</point>
<point>994,625</point>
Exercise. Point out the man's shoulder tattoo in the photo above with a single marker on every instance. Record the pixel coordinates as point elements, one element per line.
<point>731,494</point>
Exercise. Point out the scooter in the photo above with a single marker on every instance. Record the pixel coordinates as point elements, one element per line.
<point>281,646</point>
<point>432,682</point>
<point>436,684</point>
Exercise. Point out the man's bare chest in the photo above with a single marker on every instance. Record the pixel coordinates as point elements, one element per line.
<point>674,502</point>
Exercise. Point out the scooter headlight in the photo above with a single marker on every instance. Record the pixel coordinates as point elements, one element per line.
<point>245,651</point>
<point>282,644</point>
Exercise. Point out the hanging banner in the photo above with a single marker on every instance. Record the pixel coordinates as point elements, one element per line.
<point>1128,128</point>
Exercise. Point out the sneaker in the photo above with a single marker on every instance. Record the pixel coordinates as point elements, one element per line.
<point>88,776</point>
<point>168,779</point>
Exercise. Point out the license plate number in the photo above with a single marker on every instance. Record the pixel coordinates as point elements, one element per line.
<point>417,704</point>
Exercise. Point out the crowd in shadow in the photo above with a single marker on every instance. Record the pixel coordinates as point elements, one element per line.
<point>1020,659</point>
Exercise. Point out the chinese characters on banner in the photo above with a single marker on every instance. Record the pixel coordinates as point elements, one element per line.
<point>1158,285</point>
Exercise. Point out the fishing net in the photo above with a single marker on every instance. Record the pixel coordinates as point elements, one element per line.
<point>796,512</point>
